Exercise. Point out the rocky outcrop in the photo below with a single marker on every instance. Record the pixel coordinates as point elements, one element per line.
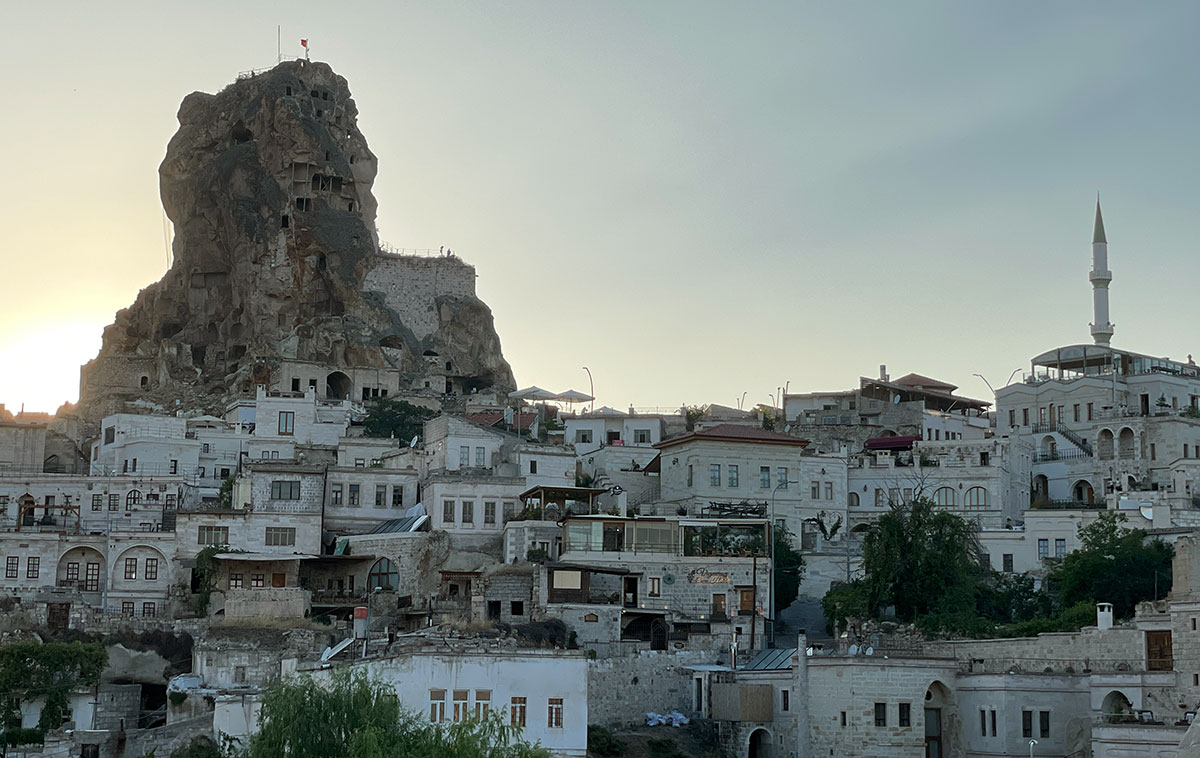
<point>276,263</point>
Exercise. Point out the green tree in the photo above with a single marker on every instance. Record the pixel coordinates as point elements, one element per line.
<point>396,418</point>
<point>920,559</point>
<point>789,569</point>
<point>50,671</point>
<point>353,717</point>
<point>1115,565</point>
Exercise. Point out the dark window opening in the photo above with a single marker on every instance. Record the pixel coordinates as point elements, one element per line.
<point>315,94</point>
<point>320,113</point>
<point>326,155</point>
<point>337,184</point>
<point>145,381</point>
<point>288,90</point>
<point>352,158</point>
<point>493,610</point>
<point>321,262</point>
<point>350,206</point>
<point>324,95</point>
<point>518,607</point>
<point>284,222</point>
<point>295,384</point>
<point>303,204</point>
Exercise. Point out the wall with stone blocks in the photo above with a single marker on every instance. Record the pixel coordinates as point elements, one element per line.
<point>410,286</point>
<point>622,690</point>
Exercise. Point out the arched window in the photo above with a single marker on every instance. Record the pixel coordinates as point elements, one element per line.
<point>945,496</point>
<point>383,576</point>
<point>976,497</point>
<point>853,499</point>
<point>133,498</point>
<point>1104,444</point>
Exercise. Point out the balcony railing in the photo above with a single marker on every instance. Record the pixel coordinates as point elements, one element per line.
<point>1069,454</point>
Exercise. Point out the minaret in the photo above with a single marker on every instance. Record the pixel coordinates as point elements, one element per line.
<point>1100,276</point>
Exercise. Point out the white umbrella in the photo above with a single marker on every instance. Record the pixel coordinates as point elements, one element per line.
<point>532,392</point>
<point>574,396</point>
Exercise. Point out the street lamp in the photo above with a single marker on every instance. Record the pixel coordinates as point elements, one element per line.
<point>591,389</point>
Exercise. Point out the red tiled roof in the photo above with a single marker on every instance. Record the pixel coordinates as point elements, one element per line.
<point>903,442</point>
<point>736,433</point>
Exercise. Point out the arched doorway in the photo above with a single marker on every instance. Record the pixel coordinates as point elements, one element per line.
<point>338,386</point>
<point>1048,449</point>
<point>938,717</point>
<point>1083,492</point>
<point>760,744</point>
<point>1116,707</point>
<point>1104,444</point>
<point>1041,488</point>
<point>81,568</point>
<point>658,635</point>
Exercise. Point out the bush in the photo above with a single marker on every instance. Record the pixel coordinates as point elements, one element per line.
<point>601,741</point>
<point>664,747</point>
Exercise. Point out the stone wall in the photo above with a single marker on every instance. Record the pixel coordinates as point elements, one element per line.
<point>622,690</point>
<point>411,286</point>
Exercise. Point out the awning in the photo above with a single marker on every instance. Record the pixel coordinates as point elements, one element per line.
<point>893,443</point>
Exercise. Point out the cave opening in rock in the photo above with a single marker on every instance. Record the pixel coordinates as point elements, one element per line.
<point>338,386</point>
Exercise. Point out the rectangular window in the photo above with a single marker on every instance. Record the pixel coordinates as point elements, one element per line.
<point>1089,410</point>
<point>1076,410</point>
<point>460,705</point>
<point>126,607</point>
<point>894,496</point>
<point>114,502</point>
<point>993,715</point>
<point>1025,416</point>
<point>360,463</point>
<point>689,475</point>
<point>380,495</point>
<point>464,456</point>
<point>516,712</point>
<point>437,706</point>
<point>33,567</point>
<point>212,535</point>
<point>483,703</point>
<point>982,722</point>
<point>148,609</point>
<point>733,475</point>
<point>353,495</point>
<point>517,607</point>
<point>448,511</point>
<point>489,513</point>
<point>655,586</point>
<point>1060,547</point>
<point>1044,723</point>
<point>714,475</point>
<point>815,490</point>
<point>554,713</point>
<point>881,714</point>
<point>97,502</point>
<point>397,496</point>
<point>1026,724</point>
<point>282,490</point>
<point>641,436</point>
<point>257,581</point>
<point>479,453</point>
<point>235,581</point>
<point>335,494</point>
<point>905,714</point>
<point>908,494</point>
<point>829,491</point>
<point>91,578</point>
<point>781,478</point>
<point>1012,418</point>
<point>764,477</point>
<point>583,436</point>
<point>287,423</point>
<point>73,576</point>
<point>533,467</point>
<point>468,512</point>
<point>131,568</point>
<point>1043,549</point>
<point>879,501</point>
<point>785,700</point>
<point>280,536</point>
<point>1007,559</point>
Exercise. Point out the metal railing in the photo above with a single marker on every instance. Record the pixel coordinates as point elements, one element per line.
<point>1060,455</point>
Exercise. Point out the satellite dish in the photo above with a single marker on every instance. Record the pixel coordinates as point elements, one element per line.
<point>854,650</point>
<point>669,579</point>
<point>895,400</point>
<point>787,429</point>
<point>413,442</point>
<point>869,651</point>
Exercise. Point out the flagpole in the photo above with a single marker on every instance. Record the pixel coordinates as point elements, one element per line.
<point>278,45</point>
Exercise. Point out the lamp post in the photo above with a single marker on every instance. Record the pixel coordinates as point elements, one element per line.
<point>591,390</point>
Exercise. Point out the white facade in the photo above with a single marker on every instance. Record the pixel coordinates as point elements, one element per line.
<point>468,504</point>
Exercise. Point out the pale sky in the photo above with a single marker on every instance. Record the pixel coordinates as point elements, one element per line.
<point>693,199</point>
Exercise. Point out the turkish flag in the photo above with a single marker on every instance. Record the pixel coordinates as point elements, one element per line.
<point>303,43</point>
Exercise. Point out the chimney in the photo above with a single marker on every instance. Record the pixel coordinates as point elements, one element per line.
<point>1104,619</point>
<point>883,377</point>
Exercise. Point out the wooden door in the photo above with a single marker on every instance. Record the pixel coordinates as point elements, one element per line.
<point>933,733</point>
<point>58,615</point>
<point>1159,652</point>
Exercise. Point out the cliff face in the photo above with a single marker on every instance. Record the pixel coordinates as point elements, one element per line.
<point>277,264</point>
